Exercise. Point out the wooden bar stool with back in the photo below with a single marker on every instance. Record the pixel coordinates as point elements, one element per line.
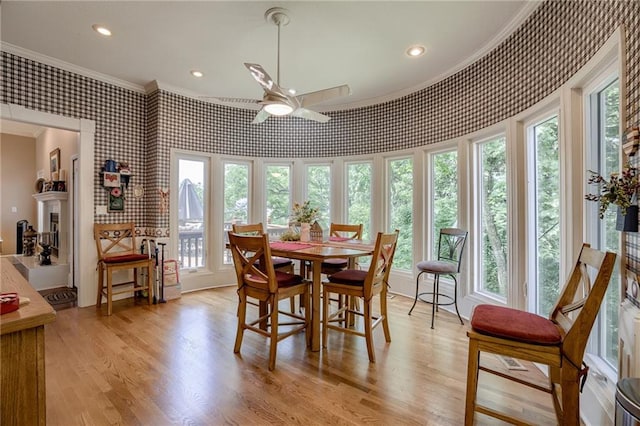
<point>116,245</point>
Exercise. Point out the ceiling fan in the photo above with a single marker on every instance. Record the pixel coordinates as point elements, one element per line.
<point>279,101</point>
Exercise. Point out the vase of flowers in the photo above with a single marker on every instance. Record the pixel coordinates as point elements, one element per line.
<point>620,190</point>
<point>303,215</point>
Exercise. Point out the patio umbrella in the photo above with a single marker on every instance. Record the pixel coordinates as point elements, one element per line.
<point>189,204</point>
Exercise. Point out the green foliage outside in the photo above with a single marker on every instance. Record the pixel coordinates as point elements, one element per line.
<point>278,195</point>
<point>444,209</point>
<point>401,210</point>
<point>610,100</point>
<point>359,196</point>
<point>319,191</point>
<point>493,198</point>
<point>547,170</point>
<point>236,193</point>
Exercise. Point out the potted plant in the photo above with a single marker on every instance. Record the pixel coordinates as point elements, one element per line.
<point>619,190</point>
<point>304,215</point>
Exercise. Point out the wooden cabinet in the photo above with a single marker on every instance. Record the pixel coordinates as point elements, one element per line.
<point>22,373</point>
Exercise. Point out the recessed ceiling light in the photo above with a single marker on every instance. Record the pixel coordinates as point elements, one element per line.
<point>101,29</point>
<point>415,51</point>
<point>197,73</point>
<point>292,91</point>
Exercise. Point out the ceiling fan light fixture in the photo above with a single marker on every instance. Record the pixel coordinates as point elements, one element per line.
<point>278,109</point>
<point>415,51</point>
<point>102,30</point>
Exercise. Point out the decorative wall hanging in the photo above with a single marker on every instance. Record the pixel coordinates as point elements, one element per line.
<point>116,200</point>
<point>115,178</point>
<point>164,199</point>
<point>54,163</point>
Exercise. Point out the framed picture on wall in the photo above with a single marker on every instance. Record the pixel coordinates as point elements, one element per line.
<point>54,160</point>
<point>111,180</point>
<point>116,200</point>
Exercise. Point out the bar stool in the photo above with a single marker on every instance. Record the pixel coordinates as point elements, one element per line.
<point>450,247</point>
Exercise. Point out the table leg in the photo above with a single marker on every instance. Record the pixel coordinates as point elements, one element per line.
<point>315,302</point>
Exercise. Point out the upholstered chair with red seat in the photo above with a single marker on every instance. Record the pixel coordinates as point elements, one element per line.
<point>116,246</point>
<point>364,285</point>
<point>558,341</point>
<point>258,280</point>
<point>279,263</point>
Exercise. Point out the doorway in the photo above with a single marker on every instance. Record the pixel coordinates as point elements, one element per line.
<point>83,255</point>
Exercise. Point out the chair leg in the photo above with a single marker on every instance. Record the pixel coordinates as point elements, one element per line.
<point>472,382</point>
<point>383,312</point>
<point>292,304</point>
<point>242,319</point>
<point>416,299</point>
<point>570,395</point>
<point>273,344</point>
<point>325,316</point>
<point>307,315</point>
<point>455,297</point>
<point>149,287</point>
<point>100,285</point>
<point>368,331</point>
<point>434,300</point>
<point>109,291</point>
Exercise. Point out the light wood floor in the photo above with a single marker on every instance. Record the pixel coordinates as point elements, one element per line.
<point>174,364</point>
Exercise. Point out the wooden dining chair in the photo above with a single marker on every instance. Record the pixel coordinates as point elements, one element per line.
<point>340,232</point>
<point>558,342</point>
<point>116,246</point>
<point>364,285</point>
<point>279,263</point>
<point>258,280</point>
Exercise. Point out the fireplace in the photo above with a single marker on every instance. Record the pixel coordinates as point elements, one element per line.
<point>54,226</point>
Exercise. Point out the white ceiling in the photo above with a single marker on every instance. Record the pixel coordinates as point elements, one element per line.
<point>326,44</point>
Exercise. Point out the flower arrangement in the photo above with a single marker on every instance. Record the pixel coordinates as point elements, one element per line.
<point>304,213</point>
<point>620,189</point>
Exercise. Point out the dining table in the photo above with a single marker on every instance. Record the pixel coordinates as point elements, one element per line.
<point>315,253</point>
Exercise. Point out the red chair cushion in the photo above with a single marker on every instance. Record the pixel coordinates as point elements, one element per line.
<point>126,258</point>
<point>508,323</point>
<point>335,263</point>
<point>286,280</point>
<point>349,277</point>
<point>279,262</point>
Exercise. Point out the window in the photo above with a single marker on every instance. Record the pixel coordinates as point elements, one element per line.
<point>492,222</point>
<point>604,144</point>
<point>278,199</point>
<point>358,195</point>
<point>318,191</point>
<point>443,206</point>
<point>543,215</point>
<point>400,205</point>
<point>236,198</point>
<point>192,235</point>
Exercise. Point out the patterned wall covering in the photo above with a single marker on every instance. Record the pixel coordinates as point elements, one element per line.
<point>555,41</point>
<point>120,117</point>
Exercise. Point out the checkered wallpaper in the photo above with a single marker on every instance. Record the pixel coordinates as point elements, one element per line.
<point>554,42</point>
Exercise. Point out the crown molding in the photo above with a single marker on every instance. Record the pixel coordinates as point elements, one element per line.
<point>57,63</point>
<point>514,24</point>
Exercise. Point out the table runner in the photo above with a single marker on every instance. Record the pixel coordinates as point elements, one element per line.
<point>288,245</point>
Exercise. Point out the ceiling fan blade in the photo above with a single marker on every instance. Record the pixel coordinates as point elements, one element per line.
<point>260,116</point>
<point>311,115</point>
<point>312,98</point>
<point>264,79</point>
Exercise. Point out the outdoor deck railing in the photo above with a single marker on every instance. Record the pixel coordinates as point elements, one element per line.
<point>191,245</point>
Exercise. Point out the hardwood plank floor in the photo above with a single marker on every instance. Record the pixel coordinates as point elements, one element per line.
<point>174,364</point>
